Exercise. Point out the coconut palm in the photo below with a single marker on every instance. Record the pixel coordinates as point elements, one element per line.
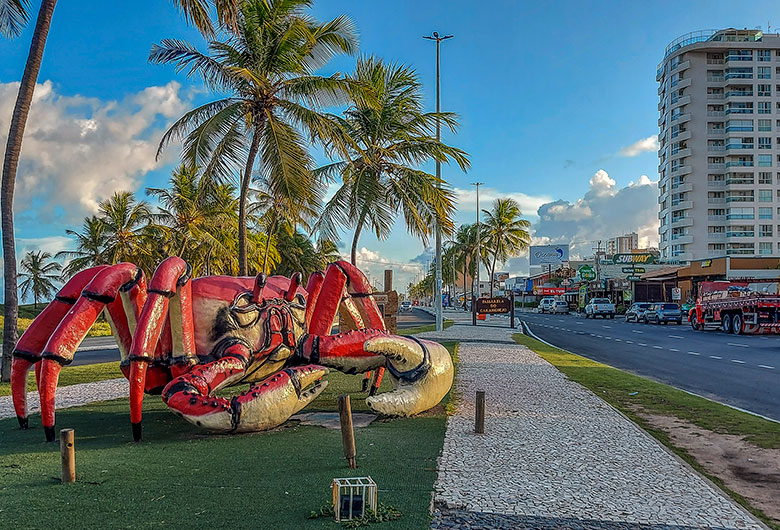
<point>124,219</point>
<point>38,276</point>
<point>266,71</point>
<point>327,252</point>
<point>391,136</point>
<point>89,247</point>
<point>505,233</point>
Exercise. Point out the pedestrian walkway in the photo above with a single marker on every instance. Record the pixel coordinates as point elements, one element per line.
<point>71,396</point>
<point>556,456</point>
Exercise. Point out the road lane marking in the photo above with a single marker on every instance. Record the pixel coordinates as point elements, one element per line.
<point>619,340</point>
<point>629,342</point>
<point>608,327</point>
<point>737,344</point>
<point>715,357</point>
<point>658,347</point>
<point>636,331</point>
<point>599,336</point>
<point>608,338</point>
<point>673,349</point>
<point>737,361</point>
<point>693,353</point>
<point>641,343</point>
<point>561,320</point>
<point>580,323</point>
<point>592,334</point>
<point>767,367</point>
<point>675,337</point>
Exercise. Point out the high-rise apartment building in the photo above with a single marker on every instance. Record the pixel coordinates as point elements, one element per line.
<point>719,156</point>
<point>624,244</point>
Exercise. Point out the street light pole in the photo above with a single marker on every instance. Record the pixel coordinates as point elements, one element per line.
<point>478,184</point>
<point>438,282</point>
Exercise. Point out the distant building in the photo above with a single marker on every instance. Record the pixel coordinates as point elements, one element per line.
<point>719,145</point>
<point>623,244</point>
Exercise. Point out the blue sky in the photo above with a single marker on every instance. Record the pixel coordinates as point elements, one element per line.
<point>548,93</point>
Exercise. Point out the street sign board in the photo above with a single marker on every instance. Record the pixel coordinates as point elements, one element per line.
<point>549,291</point>
<point>676,293</point>
<point>641,258</point>
<point>633,278</point>
<point>548,254</point>
<point>566,282</point>
<point>493,306</point>
<point>587,273</point>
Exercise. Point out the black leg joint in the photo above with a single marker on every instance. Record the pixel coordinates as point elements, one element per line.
<point>24,423</point>
<point>49,432</point>
<point>136,431</point>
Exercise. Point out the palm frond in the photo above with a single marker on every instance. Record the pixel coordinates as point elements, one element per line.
<point>14,16</point>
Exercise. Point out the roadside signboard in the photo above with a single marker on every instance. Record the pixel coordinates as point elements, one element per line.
<point>548,254</point>
<point>587,273</point>
<point>566,282</point>
<point>582,295</point>
<point>633,278</point>
<point>676,293</point>
<point>549,291</point>
<point>493,306</point>
<point>641,258</point>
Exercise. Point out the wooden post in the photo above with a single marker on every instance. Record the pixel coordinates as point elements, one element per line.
<point>479,423</point>
<point>347,433</point>
<point>512,310</point>
<point>388,280</point>
<point>68,456</point>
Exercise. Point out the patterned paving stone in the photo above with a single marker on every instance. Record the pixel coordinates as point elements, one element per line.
<point>555,455</point>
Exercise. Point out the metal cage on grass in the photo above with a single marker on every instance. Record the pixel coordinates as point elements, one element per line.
<point>352,496</point>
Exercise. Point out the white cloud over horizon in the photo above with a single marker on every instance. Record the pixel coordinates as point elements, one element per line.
<point>467,199</point>
<point>645,145</point>
<point>77,151</point>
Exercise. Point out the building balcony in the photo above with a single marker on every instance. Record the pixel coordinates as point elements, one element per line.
<point>680,239</point>
<point>716,113</point>
<point>739,182</point>
<point>716,132</point>
<point>740,198</point>
<point>682,188</point>
<point>716,200</point>
<point>716,96</point>
<point>716,148</point>
<point>682,221</point>
<point>682,135</point>
<point>663,213</point>
<point>739,93</point>
<point>682,65</point>
<point>739,219</point>
<point>739,147</point>
<point>682,83</point>
<point>716,184</point>
<point>739,163</point>
<point>680,102</point>
<point>681,153</point>
<point>716,166</point>
<point>740,235</point>
<point>682,256</point>
<point>716,236</point>
<point>682,205</point>
<point>681,170</point>
<point>663,228</point>
<point>715,79</point>
<point>716,218</point>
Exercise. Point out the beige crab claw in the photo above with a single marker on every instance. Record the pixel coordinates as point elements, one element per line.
<point>421,372</point>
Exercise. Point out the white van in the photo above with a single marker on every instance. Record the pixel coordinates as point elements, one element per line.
<point>546,305</point>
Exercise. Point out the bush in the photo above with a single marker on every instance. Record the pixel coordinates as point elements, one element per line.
<point>620,309</point>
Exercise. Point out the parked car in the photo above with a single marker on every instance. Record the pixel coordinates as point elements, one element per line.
<point>663,313</point>
<point>560,307</point>
<point>600,307</point>
<point>636,313</point>
<point>545,305</point>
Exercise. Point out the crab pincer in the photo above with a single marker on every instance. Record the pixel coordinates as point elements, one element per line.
<point>264,406</point>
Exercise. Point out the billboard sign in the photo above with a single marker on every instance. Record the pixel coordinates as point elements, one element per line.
<point>641,258</point>
<point>587,273</point>
<point>493,306</point>
<point>500,276</point>
<point>549,254</point>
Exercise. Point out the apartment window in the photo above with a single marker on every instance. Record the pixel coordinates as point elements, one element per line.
<point>765,177</point>
<point>764,230</point>
<point>740,213</point>
<point>765,249</point>
<point>764,107</point>
<point>717,246</point>
<point>764,125</point>
<point>764,72</point>
<point>764,143</point>
<point>741,125</point>
<point>764,56</point>
<point>764,195</point>
<point>745,107</point>
<point>764,213</point>
<point>764,90</point>
<point>716,229</point>
<point>739,73</point>
<point>765,160</point>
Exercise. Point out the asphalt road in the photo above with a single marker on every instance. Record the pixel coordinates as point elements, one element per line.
<point>739,370</point>
<point>103,349</point>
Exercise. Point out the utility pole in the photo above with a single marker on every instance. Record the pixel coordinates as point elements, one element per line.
<point>598,263</point>
<point>478,184</point>
<point>438,282</point>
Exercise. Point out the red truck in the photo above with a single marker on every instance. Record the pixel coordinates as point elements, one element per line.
<point>737,307</point>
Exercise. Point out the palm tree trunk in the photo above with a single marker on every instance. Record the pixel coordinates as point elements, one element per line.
<point>492,274</point>
<point>246,178</point>
<point>271,231</point>
<point>10,164</point>
<point>356,237</point>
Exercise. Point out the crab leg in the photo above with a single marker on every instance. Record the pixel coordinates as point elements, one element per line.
<point>101,292</point>
<point>169,294</point>
<point>29,347</point>
<point>264,406</point>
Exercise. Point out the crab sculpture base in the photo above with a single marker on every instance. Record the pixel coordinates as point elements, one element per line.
<point>188,338</point>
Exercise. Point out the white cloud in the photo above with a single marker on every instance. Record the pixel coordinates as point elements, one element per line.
<point>373,265</point>
<point>467,199</point>
<point>645,145</point>
<point>50,244</point>
<point>78,151</point>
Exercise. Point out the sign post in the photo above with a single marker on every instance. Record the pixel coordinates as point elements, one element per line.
<point>512,310</point>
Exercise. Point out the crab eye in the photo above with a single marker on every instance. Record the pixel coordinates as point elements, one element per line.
<point>243,302</point>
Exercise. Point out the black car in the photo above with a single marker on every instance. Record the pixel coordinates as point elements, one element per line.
<point>663,313</point>
<point>636,313</point>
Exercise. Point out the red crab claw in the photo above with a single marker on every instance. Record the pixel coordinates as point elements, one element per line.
<point>421,372</point>
<point>264,406</point>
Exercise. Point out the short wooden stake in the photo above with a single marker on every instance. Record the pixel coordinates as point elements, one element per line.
<point>67,450</point>
<point>347,433</point>
<point>479,423</point>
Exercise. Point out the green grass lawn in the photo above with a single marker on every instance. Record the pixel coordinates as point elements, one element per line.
<point>73,375</point>
<point>181,477</point>
<point>422,329</point>
<point>631,394</point>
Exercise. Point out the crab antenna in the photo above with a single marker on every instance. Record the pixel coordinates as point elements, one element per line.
<point>257,293</point>
<point>295,281</point>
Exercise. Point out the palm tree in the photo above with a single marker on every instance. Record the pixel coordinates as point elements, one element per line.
<point>38,276</point>
<point>124,220</point>
<point>505,233</point>
<point>197,12</point>
<point>391,136</point>
<point>327,252</point>
<point>267,71</point>
<point>89,247</point>
<point>14,15</point>
<point>466,245</point>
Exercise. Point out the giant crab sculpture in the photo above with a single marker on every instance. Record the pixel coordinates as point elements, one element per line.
<point>187,338</point>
